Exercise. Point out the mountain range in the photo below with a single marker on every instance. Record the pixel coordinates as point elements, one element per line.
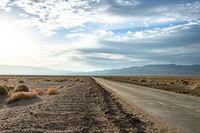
<point>168,70</point>
<point>28,70</point>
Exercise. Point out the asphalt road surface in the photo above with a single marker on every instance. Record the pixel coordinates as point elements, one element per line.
<point>178,110</point>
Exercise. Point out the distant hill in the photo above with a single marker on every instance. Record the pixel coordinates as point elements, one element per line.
<point>27,70</point>
<point>170,69</point>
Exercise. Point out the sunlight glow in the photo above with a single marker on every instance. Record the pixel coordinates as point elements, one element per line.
<point>16,44</point>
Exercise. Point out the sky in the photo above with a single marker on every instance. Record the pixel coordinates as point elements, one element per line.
<point>88,35</point>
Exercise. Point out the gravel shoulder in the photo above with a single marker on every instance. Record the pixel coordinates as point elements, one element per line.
<point>78,107</point>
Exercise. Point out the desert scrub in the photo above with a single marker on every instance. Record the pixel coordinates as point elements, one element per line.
<point>52,91</point>
<point>19,96</point>
<point>47,80</point>
<point>172,83</point>
<point>21,88</point>
<point>185,82</point>
<point>38,91</point>
<point>20,81</point>
<point>143,80</point>
<point>3,90</point>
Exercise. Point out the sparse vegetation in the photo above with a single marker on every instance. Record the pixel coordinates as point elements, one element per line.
<point>19,96</point>
<point>47,80</point>
<point>98,109</point>
<point>52,91</point>
<point>3,90</point>
<point>21,81</point>
<point>143,80</point>
<point>21,88</point>
<point>185,82</point>
<point>65,79</point>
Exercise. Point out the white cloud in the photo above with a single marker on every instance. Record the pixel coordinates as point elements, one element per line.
<point>163,20</point>
<point>20,46</point>
<point>186,11</point>
<point>52,15</point>
<point>49,16</point>
<point>3,3</point>
<point>86,24</point>
<point>94,37</point>
<point>156,32</point>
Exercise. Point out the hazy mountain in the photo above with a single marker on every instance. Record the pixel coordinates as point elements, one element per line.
<point>170,69</point>
<point>27,70</point>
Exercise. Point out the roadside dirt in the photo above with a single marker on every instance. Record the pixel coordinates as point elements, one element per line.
<point>78,107</point>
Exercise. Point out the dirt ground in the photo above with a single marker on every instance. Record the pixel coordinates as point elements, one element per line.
<point>183,85</point>
<point>80,106</point>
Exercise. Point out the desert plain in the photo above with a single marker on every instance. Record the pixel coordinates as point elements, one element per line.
<point>74,104</point>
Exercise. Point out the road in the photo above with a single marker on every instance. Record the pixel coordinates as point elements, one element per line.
<point>178,110</point>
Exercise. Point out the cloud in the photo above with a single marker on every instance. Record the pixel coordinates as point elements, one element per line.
<point>52,15</point>
<point>180,47</point>
<point>3,3</point>
<point>97,34</point>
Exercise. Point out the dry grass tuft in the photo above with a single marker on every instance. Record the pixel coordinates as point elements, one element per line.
<point>185,82</point>
<point>52,91</point>
<point>21,88</point>
<point>3,90</point>
<point>38,91</point>
<point>19,96</point>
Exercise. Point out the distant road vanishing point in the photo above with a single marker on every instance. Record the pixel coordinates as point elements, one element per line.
<point>180,111</point>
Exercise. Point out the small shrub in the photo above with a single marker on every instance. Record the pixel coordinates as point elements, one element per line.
<point>19,96</point>
<point>143,80</point>
<point>47,80</point>
<point>38,91</point>
<point>3,90</point>
<point>185,82</point>
<point>52,91</point>
<point>21,88</point>
<point>20,81</point>
<point>134,80</point>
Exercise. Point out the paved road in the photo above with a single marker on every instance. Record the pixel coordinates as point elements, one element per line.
<point>179,110</point>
